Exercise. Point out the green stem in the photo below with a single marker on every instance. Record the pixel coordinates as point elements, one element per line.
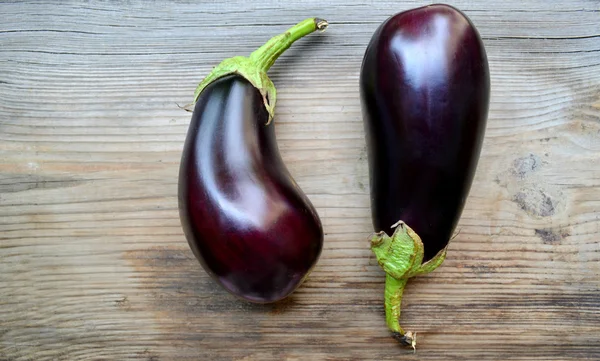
<point>394,288</point>
<point>254,68</point>
<point>393,302</point>
<point>265,56</point>
<point>401,257</point>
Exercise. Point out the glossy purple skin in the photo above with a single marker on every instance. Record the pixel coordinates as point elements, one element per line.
<point>245,219</point>
<point>425,92</point>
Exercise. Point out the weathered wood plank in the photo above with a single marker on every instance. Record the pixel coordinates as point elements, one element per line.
<point>93,262</point>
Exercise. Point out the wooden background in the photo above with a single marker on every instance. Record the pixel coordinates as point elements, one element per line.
<point>94,264</point>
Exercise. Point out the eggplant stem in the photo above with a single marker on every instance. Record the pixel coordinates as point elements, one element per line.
<point>265,56</point>
<point>394,288</point>
<point>254,68</point>
<point>401,257</point>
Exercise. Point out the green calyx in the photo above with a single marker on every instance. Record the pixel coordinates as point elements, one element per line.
<point>254,68</point>
<point>401,257</point>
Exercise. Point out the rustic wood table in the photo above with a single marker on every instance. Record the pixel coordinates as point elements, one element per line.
<point>93,261</point>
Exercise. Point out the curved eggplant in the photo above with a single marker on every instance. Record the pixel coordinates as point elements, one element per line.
<point>246,220</point>
<point>425,91</point>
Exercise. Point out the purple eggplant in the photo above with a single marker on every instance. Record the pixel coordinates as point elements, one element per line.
<point>246,220</point>
<point>425,91</point>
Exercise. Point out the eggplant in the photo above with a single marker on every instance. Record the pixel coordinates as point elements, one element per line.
<point>425,90</point>
<point>245,219</point>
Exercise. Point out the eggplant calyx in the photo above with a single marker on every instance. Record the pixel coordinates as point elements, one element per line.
<point>401,257</point>
<point>244,67</point>
<point>254,68</point>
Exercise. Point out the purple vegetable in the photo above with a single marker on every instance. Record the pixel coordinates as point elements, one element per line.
<point>425,91</point>
<point>246,220</point>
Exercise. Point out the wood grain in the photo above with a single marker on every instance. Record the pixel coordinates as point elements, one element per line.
<point>94,264</point>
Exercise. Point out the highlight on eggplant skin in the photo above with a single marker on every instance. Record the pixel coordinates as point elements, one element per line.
<point>425,91</point>
<point>245,219</point>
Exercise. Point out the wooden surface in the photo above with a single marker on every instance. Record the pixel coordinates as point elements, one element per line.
<point>94,264</point>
